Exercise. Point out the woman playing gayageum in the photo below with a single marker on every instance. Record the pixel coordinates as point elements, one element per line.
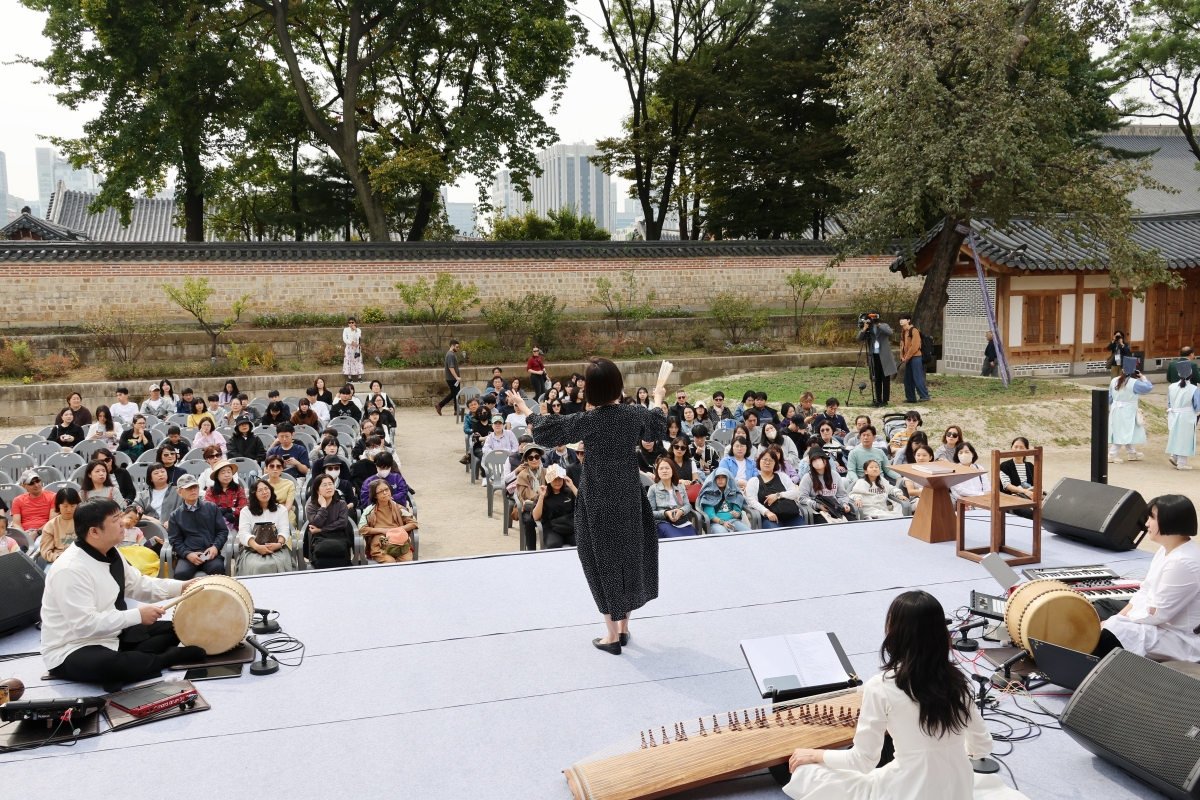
<point>614,527</point>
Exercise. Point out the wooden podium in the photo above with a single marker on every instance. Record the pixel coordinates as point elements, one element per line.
<point>934,519</point>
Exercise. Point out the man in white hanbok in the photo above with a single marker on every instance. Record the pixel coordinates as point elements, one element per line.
<point>1160,619</point>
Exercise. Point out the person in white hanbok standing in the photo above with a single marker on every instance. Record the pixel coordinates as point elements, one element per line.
<point>924,701</point>
<point>1125,426</point>
<point>1183,404</point>
<point>352,360</point>
<point>1159,622</point>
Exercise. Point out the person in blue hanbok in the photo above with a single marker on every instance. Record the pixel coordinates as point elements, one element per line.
<point>1183,404</point>
<point>1124,424</point>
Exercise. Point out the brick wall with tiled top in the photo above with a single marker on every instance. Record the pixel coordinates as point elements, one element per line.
<point>62,292</point>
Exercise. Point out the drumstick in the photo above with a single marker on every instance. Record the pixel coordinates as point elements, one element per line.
<point>178,600</point>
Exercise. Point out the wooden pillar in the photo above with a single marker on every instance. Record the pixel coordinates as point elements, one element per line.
<point>1077,350</point>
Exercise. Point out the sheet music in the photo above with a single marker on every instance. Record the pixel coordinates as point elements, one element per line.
<point>811,657</point>
<point>816,660</point>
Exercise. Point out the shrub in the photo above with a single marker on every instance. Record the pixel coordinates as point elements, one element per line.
<point>623,300</point>
<point>698,335</point>
<point>124,338</point>
<point>735,316</point>
<point>328,354</point>
<point>534,319</point>
<point>888,301</point>
<point>372,314</point>
<point>15,358</point>
<point>193,298</point>
<point>437,305</point>
<point>51,366</point>
<point>300,319</point>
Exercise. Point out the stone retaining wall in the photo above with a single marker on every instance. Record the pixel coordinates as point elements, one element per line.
<point>38,404</point>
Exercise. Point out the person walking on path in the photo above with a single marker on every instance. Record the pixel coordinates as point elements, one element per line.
<point>989,357</point>
<point>452,378</point>
<point>1183,404</point>
<point>914,363</point>
<point>1125,425</point>
<point>615,530</point>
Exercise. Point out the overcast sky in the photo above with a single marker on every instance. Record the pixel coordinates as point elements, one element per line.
<point>592,107</point>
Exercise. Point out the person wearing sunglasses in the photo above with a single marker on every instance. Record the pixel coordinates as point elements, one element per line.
<point>32,510</point>
<point>950,442</point>
<point>531,476</point>
<point>685,466</point>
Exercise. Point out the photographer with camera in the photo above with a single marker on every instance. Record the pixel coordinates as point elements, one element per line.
<point>877,335</point>
<point>1120,350</point>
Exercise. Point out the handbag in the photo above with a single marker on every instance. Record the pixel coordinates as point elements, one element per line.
<point>265,533</point>
<point>785,507</point>
<point>1141,419</point>
<point>396,542</point>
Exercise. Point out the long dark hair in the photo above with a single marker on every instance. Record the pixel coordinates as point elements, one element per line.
<point>910,452</point>
<point>916,648</point>
<point>256,509</point>
<point>108,421</point>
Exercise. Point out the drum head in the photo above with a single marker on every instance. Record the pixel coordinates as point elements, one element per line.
<point>217,618</point>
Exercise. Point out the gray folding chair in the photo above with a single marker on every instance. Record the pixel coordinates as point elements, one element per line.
<point>54,486</point>
<point>345,438</point>
<point>266,437</point>
<point>138,473</point>
<point>309,430</point>
<point>292,402</point>
<point>347,423</point>
<point>122,459</point>
<point>723,436</point>
<point>77,475</point>
<point>21,538</point>
<point>26,439</point>
<point>44,432</point>
<point>66,463</point>
<point>148,457</point>
<point>177,419</point>
<point>8,448</point>
<point>10,492</point>
<point>13,465</point>
<point>195,454</point>
<point>89,446</point>
<point>247,469</point>
<point>305,439</point>
<point>43,450</point>
<point>519,431</point>
<point>493,468</point>
<point>196,468</point>
<point>48,474</point>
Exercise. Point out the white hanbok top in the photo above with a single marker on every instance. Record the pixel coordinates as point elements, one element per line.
<point>924,768</point>
<point>1172,590</point>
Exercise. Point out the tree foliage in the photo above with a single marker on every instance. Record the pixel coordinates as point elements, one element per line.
<point>804,285</point>
<point>961,110</point>
<point>170,79</point>
<point>624,301</point>
<point>667,52</point>
<point>409,94</point>
<point>534,320</point>
<point>768,142</point>
<point>193,298</point>
<point>439,304</point>
<point>563,225</point>
<point>735,316</point>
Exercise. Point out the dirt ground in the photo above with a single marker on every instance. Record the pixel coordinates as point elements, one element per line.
<point>453,513</point>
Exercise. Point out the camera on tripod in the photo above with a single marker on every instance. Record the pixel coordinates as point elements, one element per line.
<point>868,318</point>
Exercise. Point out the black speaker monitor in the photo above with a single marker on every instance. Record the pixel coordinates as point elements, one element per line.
<point>1144,718</point>
<point>21,585</point>
<point>1095,513</point>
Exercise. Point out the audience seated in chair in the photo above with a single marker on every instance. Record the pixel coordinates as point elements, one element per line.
<point>386,527</point>
<point>59,532</point>
<point>981,485</point>
<point>722,502</point>
<point>197,532</point>
<point>669,502</point>
<point>772,493</point>
<point>260,554</point>
<point>823,490</point>
<point>874,496</point>
<point>555,508</point>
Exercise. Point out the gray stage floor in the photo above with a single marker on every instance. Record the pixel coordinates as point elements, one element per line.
<point>475,677</point>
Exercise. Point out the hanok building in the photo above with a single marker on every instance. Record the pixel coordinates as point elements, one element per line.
<point>1055,313</point>
<point>68,219</point>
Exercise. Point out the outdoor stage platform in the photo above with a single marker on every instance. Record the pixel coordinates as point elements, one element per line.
<point>475,677</point>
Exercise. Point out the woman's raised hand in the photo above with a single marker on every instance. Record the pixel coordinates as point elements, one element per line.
<point>517,402</point>
<point>659,393</point>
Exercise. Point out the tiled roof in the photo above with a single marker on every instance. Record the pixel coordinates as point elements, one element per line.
<point>45,229</point>
<point>1176,236</point>
<point>152,219</point>
<point>402,251</point>
<point>1172,163</point>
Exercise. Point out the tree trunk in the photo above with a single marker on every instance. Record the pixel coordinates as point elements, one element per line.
<point>299,220</point>
<point>193,212</point>
<point>933,297</point>
<point>424,210</point>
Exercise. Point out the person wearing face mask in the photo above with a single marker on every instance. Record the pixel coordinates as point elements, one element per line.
<point>385,470</point>
<point>771,436</point>
<point>981,485</point>
<point>364,468</point>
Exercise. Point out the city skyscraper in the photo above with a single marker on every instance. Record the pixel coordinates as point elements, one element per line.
<point>52,168</point>
<point>568,180</point>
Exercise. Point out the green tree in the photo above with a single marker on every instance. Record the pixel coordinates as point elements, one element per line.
<point>409,94</point>
<point>623,301</point>
<point>804,284</point>
<point>1161,54</point>
<point>535,319</point>
<point>563,225</point>
<point>768,141</point>
<point>667,55</point>
<point>438,305</point>
<point>193,298</point>
<point>978,109</point>
<point>735,316</point>
<point>169,81</point>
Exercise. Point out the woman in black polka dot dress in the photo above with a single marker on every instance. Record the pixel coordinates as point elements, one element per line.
<point>614,527</point>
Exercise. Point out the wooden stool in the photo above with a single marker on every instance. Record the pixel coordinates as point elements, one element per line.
<point>999,504</point>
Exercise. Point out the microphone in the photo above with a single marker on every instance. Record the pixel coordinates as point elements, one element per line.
<point>264,625</point>
<point>268,665</point>
<point>963,643</point>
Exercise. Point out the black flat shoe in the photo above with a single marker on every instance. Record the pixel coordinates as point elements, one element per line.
<point>614,648</point>
<point>624,639</point>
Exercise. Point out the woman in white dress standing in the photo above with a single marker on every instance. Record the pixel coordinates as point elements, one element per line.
<point>352,363</point>
<point>1124,426</point>
<point>924,701</point>
<point>1183,404</point>
<point>1159,621</point>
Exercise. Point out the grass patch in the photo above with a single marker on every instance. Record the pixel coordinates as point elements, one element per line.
<point>945,391</point>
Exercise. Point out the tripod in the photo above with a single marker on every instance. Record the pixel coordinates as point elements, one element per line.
<point>870,372</point>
